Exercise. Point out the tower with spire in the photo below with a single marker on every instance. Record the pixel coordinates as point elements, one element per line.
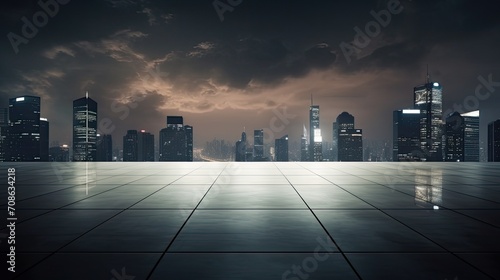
<point>315,139</point>
<point>428,98</point>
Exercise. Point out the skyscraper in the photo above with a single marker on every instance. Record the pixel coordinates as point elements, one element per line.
<point>84,129</point>
<point>494,141</point>
<point>304,151</point>
<point>104,147</point>
<point>258,145</point>
<point>315,139</point>
<point>462,137</point>
<point>24,130</point>
<point>406,135</point>
<point>44,139</point>
<point>130,146</point>
<point>428,99</point>
<point>281,148</point>
<point>176,141</point>
<point>241,148</point>
<point>349,139</point>
<point>335,142</point>
<point>146,146</point>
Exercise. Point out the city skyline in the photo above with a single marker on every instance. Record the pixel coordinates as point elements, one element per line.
<point>138,73</point>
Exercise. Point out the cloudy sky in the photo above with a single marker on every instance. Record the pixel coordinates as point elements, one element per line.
<point>229,64</point>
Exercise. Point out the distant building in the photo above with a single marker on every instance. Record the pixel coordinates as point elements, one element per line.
<point>281,148</point>
<point>241,148</point>
<point>335,142</point>
<point>84,129</point>
<point>428,99</point>
<point>315,138</point>
<point>258,145</point>
<point>406,135</point>
<point>104,147</point>
<point>146,146</point>
<point>494,141</point>
<point>462,137</point>
<point>176,140</point>
<point>130,146</point>
<point>59,153</point>
<point>23,141</point>
<point>44,139</point>
<point>304,151</point>
<point>349,139</point>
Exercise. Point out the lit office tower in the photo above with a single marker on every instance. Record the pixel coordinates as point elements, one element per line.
<point>24,130</point>
<point>176,140</point>
<point>258,145</point>
<point>406,135</point>
<point>84,129</point>
<point>428,99</point>
<point>494,141</point>
<point>315,139</point>
<point>281,148</point>
<point>462,137</point>
<point>145,146</point>
<point>44,139</point>
<point>349,139</point>
<point>304,152</point>
<point>241,148</point>
<point>104,147</point>
<point>130,146</point>
<point>4,128</point>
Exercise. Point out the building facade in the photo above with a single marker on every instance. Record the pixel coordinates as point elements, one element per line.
<point>281,148</point>
<point>494,141</point>
<point>84,129</point>
<point>406,135</point>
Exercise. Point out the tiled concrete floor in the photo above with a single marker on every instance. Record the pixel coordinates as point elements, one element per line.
<point>254,221</point>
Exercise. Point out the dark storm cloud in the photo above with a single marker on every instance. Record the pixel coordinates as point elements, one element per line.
<point>177,57</point>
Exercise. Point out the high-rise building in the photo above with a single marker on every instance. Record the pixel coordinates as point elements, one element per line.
<point>104,147</point>
<point>24,129</point>
<point>349,139</point>
<point>84,129</point>
<point>130,146</point>
<point>428,99</point>
<point>494,141</point>
<point>4,128</point>
<point>189,142</point>
<point>176,141</point>
<point>281,148</point>
<point>241,148</point>
<point>304,151</point>
<point>258,145</point>
<point>315,139</point>
<point>335,142</point>
<point>406,135</point>
<point>146,146</point>
<point>462,137</point>
<point>44,139</point>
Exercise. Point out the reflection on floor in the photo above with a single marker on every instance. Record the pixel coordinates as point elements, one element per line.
<point>255,220</point>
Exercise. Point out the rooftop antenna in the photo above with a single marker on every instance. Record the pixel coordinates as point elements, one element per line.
<point>87,94</point>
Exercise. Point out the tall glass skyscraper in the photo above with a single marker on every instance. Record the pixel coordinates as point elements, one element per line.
<point>146,146</point>
<point>281,148</point>
<point>494,141</point>
<point>176,140</point>
<point>104,147</point>
<point>24,130</point>
<point>406,135</point>
<point>130,146</point>
<point>84,129</point>
<point>258,145</point>
<point>349,139</point>
<point>315,138</point>
<point>304,151</point>
<point>428,98</point>
<point>44,139</point>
